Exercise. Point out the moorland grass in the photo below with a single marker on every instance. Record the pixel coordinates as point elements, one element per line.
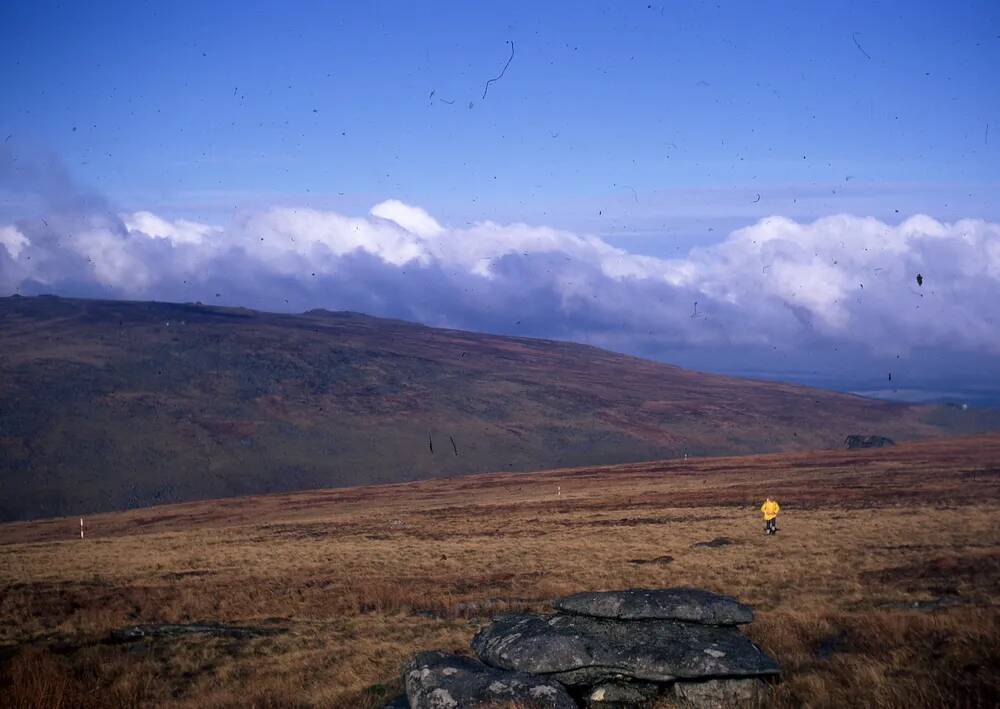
<point>880,590</point>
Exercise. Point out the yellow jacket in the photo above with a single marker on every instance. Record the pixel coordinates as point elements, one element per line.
<point>770,509</point>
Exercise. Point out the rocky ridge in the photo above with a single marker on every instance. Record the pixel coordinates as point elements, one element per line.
<point>611,649</point>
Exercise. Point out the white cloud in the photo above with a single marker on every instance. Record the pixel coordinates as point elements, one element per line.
<point>114,263</point>
<point>316,237</point>
<point>12,240</point>
<point>412,219</point>
<point>776,282</point>
<point>178,232</point>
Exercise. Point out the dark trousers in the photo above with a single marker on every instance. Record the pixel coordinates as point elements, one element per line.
<point>771,526</point>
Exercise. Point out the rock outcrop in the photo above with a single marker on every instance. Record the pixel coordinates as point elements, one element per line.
<point>611,649</point>
<point>858,441</point>
<point>438,680</point>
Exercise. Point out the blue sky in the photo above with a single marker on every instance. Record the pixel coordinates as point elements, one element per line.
<point>658,127</point>
<point>198,105</point>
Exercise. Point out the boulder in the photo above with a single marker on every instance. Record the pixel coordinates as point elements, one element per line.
<point>858,441</point>
<point>583,651</point>
<point>721,693</point>
<point>439,680</point>
<point>689,604</point>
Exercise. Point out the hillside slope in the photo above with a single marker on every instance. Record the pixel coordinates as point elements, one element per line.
<point>882,588</point>
<point>110,405</point>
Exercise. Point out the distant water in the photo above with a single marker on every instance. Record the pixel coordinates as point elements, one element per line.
<point>916,396</point>
<point>978,397</point>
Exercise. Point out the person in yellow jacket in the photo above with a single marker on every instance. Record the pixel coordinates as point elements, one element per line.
<point>770,508</point>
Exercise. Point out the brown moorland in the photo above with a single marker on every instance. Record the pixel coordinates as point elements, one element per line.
<point>881,589</point>
<point>110,405</point>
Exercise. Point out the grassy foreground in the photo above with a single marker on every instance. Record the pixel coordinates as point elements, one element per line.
<point>880,590</point>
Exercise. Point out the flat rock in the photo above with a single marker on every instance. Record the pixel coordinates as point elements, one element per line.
<point>693,605</point>
<point>579,650</point>
<point>439,680</point>
<point>721,693</point>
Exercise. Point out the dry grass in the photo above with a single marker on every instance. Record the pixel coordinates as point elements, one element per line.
<point>355,581</point>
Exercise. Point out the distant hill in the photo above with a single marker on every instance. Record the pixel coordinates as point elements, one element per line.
<point>110,405</point>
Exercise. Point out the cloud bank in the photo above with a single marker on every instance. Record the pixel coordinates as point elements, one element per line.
<point>777,283</point>
<point>836,284</point>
